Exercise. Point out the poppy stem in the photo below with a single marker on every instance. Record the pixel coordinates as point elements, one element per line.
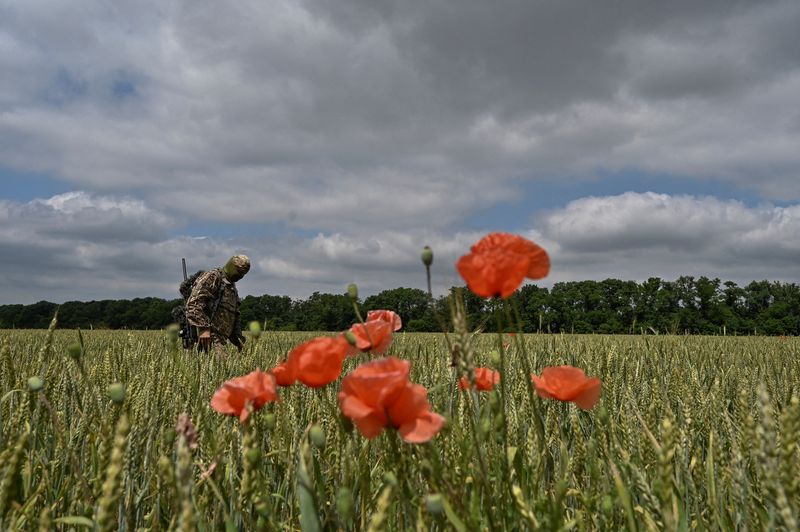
<point>428,275</point>
<point>402,479</point>
<point>363,324</point>
<point>520,345</point>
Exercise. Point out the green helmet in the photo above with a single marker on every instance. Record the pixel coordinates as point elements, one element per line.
<point>236,267</point>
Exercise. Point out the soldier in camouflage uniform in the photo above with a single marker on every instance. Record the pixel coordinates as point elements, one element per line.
<point>213,306</point>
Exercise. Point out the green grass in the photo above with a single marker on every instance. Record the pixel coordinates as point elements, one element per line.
<point>690,432</point>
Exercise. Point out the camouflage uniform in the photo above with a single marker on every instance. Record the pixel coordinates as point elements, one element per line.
<point>225,323</point>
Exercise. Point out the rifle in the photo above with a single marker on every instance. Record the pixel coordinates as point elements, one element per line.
<point>188,333</point>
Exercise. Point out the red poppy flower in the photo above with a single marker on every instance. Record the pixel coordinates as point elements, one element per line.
<point>284,374</point>
<point>386,315</point>
<point>568,383</point>
<point>318,362</point>
<point>378,394</point>
<point>485,379</point>
<point>373,336</point>
<point>411,415</point>
<point>499,262</point>
<point>255,389</point>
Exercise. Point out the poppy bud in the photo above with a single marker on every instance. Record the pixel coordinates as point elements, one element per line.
<point>252,455</point>
<point>486,426</point>
<point>352,291</point>
<point>494,356</point>
<point>116,392</point>
<point>350,337</point>
<point>169,435</point>
<point>317,436</point>
<point>74,350</point>
<point>434,503</point>
<point>35,384</point>
<point>390,478</point>
<point>255,329</point>
<point>269,421</point>
<point>607,504</point>
<point>173,330</point>
<point>344,504</point>
<point>494,399</point>
<point>602,414</point>
<point>427,256</point>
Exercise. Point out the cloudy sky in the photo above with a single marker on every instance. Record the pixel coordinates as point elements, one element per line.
<point>330,141</point>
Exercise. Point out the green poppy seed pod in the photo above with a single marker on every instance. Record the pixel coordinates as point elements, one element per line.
<point>253,455</point>
<point>602,414</point>
<point>344,504</point>
<point>116,392</point>
<point>494,356</point>
<point>352,291</point>
<point>350,337</point>
<point>255,329</point>
<point>390,478</point>
<point>169,435</point>
<point>35,384</point>
<point>269,421</point>
<point>427,256</point>
<point>173,329</point>
<point>74,350</point>
<point>434,503</point>
<point>607,504</point>
<point>317,436</point>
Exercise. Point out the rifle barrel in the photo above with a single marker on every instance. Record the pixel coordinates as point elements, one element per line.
<point>183,263</point>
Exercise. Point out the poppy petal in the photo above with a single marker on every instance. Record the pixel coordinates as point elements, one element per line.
<point>388,316</point>
<point>422,428</point>
<point>410,404</point>
<point>589,397</point>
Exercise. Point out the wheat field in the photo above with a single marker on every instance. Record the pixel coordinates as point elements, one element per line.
<point>690,433</point>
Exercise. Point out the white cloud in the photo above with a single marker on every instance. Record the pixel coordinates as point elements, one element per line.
<point>635,236</point>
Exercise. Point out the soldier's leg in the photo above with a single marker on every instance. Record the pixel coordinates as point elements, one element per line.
<point>219,346</point>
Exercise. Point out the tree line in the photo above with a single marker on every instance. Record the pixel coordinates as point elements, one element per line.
<point>687,305</point>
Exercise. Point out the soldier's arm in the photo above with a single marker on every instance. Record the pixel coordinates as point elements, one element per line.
<point>202,294</point>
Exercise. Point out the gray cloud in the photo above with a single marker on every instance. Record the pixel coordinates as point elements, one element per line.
<point>301,110</point>
<point>629,236</point>
<point>382,126</point>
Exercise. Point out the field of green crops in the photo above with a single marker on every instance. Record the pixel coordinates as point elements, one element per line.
<point>690,433</point>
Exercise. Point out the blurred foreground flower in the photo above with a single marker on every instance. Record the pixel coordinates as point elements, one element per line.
<point>254,389</point>
<point>568,383</point>
<point>378,394</point>
<point>284,374</point>
<point>499,262</point>
<point>485,379</point>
